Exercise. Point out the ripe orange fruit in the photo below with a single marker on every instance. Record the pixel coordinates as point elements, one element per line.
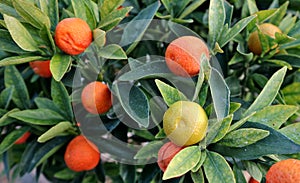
<point>185,123</point>
<point>73,35</point>
<point>166,154</point>
<point>285,171</point>
<point>23,139</point>
<point>96,98</point>
<point>252,180</point>
<point>81,154</point>
<point>41,68</point>
<point>183,55</point>
<point>254,43</point>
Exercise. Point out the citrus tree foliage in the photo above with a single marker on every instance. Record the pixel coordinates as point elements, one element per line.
<point>252,101</point>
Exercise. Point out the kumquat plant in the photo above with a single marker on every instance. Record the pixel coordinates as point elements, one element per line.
<point>149,91</point>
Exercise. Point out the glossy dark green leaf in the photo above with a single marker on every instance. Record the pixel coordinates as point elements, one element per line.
<point>238,174</point>
<point>183,162</point>
<point>135,29</point>
<point>9,10</point>
<point>292,59</point>
<point>292,132</point>
<point>266,146</point>
<point>14,60</point>
<point>45,103</point>
<point>190,8</point>
<point>13,78</point>
<point>280,13</point>
<point>287,23</point>
<point>169,93</point>
<point>112,51</point>
<point>6,120</point>
<point>292,93</point>
<point>274,116</point>
<point>54,131</point>
<point>150,150</point>
<point>65,174</point>
<point>61,98</point>
<point>295,31</point>
<point>128,173</point>
<point>134,102</point>
<point>11,138</point>
<point>59,65</point>
<point>114,18</point>
<point>216,20</point>
<point>7,43</point>
<point>243,137</point>
<point>31,14</point>
<point>6,97</point>
<point>268,93</point>
<point>20,34</point>
<point>217,169</point>
<point>38,116</point>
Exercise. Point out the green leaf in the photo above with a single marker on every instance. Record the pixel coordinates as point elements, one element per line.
<point>11,138</point>
<point>292,59</point>
<point>8,44</point>
<point>295,31</point>
<point>268,93</point>
<point>59,65</point>
<point>252,6</point>
<point>114,18</point>
<point>9,10</point>
<point>150,150</point>
<point>134,30</point>
<point>99,37</point>
<point>45,103</point>
<point>183,162</point>
<point>216,20</point>
<point>198,177</point>
<point>134,102</point>
<point>112,51</point>
<point>234,106</point>
<point>217,169</point>
<point>201,161</point>
<point>79,9</point>
<point>14,60</point>
<point>220,93</point>
<point>128,173</point>
<point>38,116</point>
<point>274,116</point>
<point>61,98</point>
<point>20,34</point>
<point>236,29</point>
<point>180,30</point>
<point>84,9</point>
<point>53,13</point>
<point>65,174</point>
<point>261,16</point>
<point>54,131</point>
<point>6,120</point>
<point>6,97</point>
<point>280,13</point>
<point>238,174</point>
<point>192,7</point>
<point>31,14</point>
<point>292,93</point>
<point>275,143</point>
<point>243,137</point>
<point>292,132</point>
<point>107,6</point>
<point>13,78</point>
<point>222,131</point>
<point>169,93</point>
<point>287,23</point>
<point>253,170</point>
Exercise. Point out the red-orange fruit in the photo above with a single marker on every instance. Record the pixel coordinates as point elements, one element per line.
<point>73,35</point>
<point>41,68</point>
<point>183,55</point>
<point>285,171</point>
<point>81,154</point>
<point>166,154</point>
<point>23,139</point>
<point>252,180</point>
<point>96,98</point>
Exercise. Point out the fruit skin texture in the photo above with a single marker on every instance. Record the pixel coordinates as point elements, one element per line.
<point>185,123</point>
<point>285,171</point>
<point>166,154</point>
<point>73,35</point>
<point>96,98</point>
<point>252,180</point>
<point>41,68</point>
<point>254,43</point>
<point>23,139</point>
<point>81,155</point>
<point>183,55</point>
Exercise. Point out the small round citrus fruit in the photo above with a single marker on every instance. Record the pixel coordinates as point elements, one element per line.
<point>23,138</point>
<point>41,68</point>
<point>252,180</point>
<point>183,55</point>
<point>73,35</point>
<point>254,43</point>
<point>166,154</point>
<point>81,154</point>
<point>185,123</point>
<point>285,171</point>
<point>96,98</point>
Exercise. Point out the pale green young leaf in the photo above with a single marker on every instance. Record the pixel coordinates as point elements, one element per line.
<point>292,132</point>
<point>54,131</point>
<point>59,65</point>
<point>216,20</point>
<point>112,51</point>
